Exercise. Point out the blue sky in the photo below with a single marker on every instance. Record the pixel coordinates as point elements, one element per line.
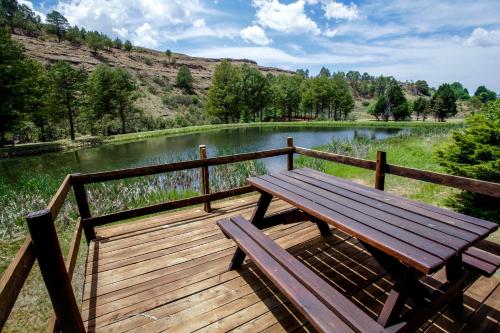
<point>439,41</point>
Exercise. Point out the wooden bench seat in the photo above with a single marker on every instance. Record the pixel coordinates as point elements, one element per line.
<point>325,308</point>
<point>481,261</point>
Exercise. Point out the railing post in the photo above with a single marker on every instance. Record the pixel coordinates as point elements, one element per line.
<point>83,209</point>
<point>51,263</point>
<point>380,170</point>
<point>289,143</point>
<point>205,178</point>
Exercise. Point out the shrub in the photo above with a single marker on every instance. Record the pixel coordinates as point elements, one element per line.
<point>365,103</point>
<point>148,61</point>
<point>475,153</point>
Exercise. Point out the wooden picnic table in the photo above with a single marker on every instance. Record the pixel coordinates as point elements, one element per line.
<point>408,238</point>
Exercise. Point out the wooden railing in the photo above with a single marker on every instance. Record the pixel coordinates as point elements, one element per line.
<point>43,243</point>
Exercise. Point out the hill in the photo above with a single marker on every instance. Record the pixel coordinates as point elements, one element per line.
<point>151,68</point>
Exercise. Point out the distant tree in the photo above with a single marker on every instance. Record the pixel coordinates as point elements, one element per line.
<point>422,87</point>
<point>222,97</point>
<point>303,73</point>
<point>421,107</point>
<point>443,103</point>
<point>342,101</point>
<point>66,85</point>
<point>127,46</point>
<point>57,23</point>
<point>379,109</point>
<point>475,153</point>
<point>398,106</point>
<point>40,113</point>
<point>27,20</point>
<point>459,91</point>
<point>74,35</point>
<point>8,9</point>
<point>123,86</point>
<point>485,94</point>
<point>117,43</point>
<point>168,53</point>
<point>94,41</point>
<point>475,103</point>
<point>255,92</point>
<point>173,61</point>
<point>324,72</point>
<point>107,42</point>
<point>15,83</point>
<point>184,79</point>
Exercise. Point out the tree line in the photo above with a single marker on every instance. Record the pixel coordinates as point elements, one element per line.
<point>243,93</point>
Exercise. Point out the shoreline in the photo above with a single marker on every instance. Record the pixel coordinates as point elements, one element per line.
<point>30,149</point>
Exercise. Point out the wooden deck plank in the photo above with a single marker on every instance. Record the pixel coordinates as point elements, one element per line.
<point>169,273</point>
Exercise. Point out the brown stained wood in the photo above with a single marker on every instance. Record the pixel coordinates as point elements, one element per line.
<point>468,184</point>
<point>83,208</point>
<point>205,177</point>
<point>409,254</point>
<point>289,143</point>
<point>357,162</point>
<point>337,259</point>
<point>13,279</point>
<point>155,169</point>
<point>57,200</point>
<point>152,209</point>
<point>380,170</point>
<point>56,278</point>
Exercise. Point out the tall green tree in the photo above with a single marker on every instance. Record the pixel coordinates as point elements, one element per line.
<point>222,97</point>
<point>422,87</point>
<point>475,153</point>
<point>15,83</point>
<point>485,94</point>
<point>67,86</point>
<point>8,9</point>
<point>255,91</point>
<point>459,91</point>
<point>184,79</point>
<point>57,23</point>
<point>123,87</point>
<point>342,101</point>
<point>127,46</point>
<point>94,41</point>
<point>443,103</point>
<point>168,53</point>
<point>398,105</point>
<point>421,107</point>
<point>379,109</point>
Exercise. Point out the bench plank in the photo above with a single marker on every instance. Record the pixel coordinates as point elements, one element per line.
<point>314,310</point>
<point>479,260</point>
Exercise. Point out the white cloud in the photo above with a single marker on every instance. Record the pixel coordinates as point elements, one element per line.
<point>330,32</point>
<point>200,23</point>
<point>336,10</point>
<point>145,36</point>
<point>122,32</point>
<point>289,18</point>
<point>482,37</point>
<point>255,34</point>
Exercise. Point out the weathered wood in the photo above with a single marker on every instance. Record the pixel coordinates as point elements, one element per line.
<point>57,200</point>
<point>13,279</point>
<point>193,164</point>
<point>83,207</point>
<point>468,184</point>
<point>128,214</point>
<point>70,262</point>
<point>380,170</point>
<point>54,273</point>
<point>357,162</point>
<point>289,143</point>
<point>205,177</point>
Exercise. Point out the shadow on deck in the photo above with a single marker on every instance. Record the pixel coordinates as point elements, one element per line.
<point>169,273</point>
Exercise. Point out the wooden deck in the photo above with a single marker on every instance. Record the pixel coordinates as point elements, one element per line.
<point>169,273</point>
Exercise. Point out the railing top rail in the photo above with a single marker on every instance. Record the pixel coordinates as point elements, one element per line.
<point>176,166</point>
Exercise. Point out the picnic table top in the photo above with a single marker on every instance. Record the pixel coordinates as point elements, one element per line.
<point>422,236</point>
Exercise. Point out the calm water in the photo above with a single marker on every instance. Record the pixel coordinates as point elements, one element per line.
<point>183,147</point>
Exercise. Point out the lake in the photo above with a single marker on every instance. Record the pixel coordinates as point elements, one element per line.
<point>183,147</point>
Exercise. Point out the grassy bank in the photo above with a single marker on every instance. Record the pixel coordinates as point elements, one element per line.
<point>89,141</point>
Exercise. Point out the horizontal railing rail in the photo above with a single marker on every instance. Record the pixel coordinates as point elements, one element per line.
<point>16,274</point>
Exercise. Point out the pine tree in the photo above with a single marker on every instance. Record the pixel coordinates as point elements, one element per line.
<point>57,24</point>
<point>184,79</point>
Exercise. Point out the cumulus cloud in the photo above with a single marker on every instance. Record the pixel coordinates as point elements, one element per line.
<point>482,37</point>
<point>255,34</point>
<point>146,36</point>
<point>330,32</point>
<point>337,10</point>
<point>289,18</point>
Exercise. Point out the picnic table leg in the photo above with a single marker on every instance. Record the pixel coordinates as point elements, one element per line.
<point>323,227</point>
<point>453,275</point>
<point>258,215</point>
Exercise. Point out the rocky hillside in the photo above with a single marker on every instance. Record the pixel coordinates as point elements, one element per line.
<point>151,68</point>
